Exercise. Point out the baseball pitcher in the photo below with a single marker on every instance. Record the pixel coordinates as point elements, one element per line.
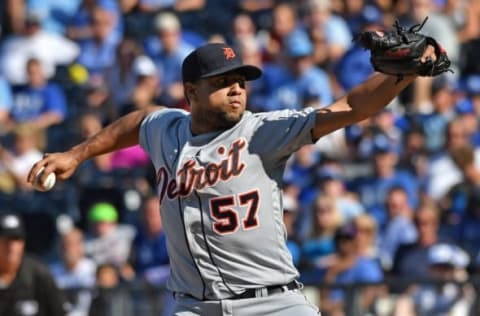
<point>218,171</point>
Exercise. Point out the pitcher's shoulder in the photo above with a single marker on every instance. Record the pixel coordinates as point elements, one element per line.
<point>165,115</point>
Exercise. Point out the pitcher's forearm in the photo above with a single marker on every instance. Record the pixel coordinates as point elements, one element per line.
<point>120,134</point>
<point>362,102</point>
<point>376,93</point>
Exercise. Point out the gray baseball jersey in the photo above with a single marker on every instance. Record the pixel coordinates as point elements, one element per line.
<point>220,196</point>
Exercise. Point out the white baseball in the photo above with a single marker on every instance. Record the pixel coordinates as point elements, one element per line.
<point>47,184</point>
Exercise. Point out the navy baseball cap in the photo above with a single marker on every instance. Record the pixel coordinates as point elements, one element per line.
<point>11,226</point>
<point>215,59</point>
<point>381,145</point>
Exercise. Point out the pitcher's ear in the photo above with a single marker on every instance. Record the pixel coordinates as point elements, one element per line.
<point>190,91</point>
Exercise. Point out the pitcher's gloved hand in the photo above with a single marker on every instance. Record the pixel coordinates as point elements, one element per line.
<point>401,52</point>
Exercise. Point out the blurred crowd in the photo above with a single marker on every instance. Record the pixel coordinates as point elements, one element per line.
<point>396,196</point>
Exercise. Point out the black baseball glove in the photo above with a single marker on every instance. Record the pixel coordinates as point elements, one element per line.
<point>398,52</point>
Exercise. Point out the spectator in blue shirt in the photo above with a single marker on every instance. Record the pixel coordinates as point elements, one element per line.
<point>98,51</point>
<point>462,204</point>
<point>399,228</point>
<point>348,267</point>
<point>435,123</point>
<point>354,67</point>
<point>6,103</point>
<point>471,106</point>
<point>149,253</point>
<point>447,264</point>
<point>300,83</point>
<point>319,246</point>
<point>150,257</point>
<point>290,210</point>
<point>56,14</point>
<point>167,49</point>
<point>329,27</point>
<point>373,190</point>
<point>80,26</point>
<point>411,260</point>
<point>39,102</point>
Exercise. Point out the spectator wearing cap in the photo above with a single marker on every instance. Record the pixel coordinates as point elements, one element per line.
<point>75,272</point>
<point>445,261</point>
<point>168,50</point>
<point>110,241</point>
<point>26,285</point>
<point>354,66</point>
<point>414,156</point>
<point>301,84</point>
<point>435,121</point>
<point>373,189</point>
<point>411,260</point>
<point>148,88</point>
<point>96,99</point>
<point>385,122</point>
<point>51,49</point>
<point>470,106</point>
<point>360,13</point>
<point>348,267</point>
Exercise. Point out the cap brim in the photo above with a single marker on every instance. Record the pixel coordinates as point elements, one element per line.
<point>15,234</point>
<point>248,71</point>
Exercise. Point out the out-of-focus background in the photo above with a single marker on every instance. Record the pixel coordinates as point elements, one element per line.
<point>383,216</point>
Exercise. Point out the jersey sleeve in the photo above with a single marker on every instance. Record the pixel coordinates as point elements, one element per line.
<point>152,129</point>
<point>278,134</point>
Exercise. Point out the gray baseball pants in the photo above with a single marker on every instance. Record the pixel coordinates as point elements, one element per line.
<point>287,303</point>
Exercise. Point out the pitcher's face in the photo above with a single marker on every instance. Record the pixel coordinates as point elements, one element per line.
<point>218,102</point>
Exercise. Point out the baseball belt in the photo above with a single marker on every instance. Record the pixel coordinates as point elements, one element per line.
<point>269,290</point>
<point>257,292</point>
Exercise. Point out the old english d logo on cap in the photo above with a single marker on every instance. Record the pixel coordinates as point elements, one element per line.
<point>229,53</point>
<point>214,59</point>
